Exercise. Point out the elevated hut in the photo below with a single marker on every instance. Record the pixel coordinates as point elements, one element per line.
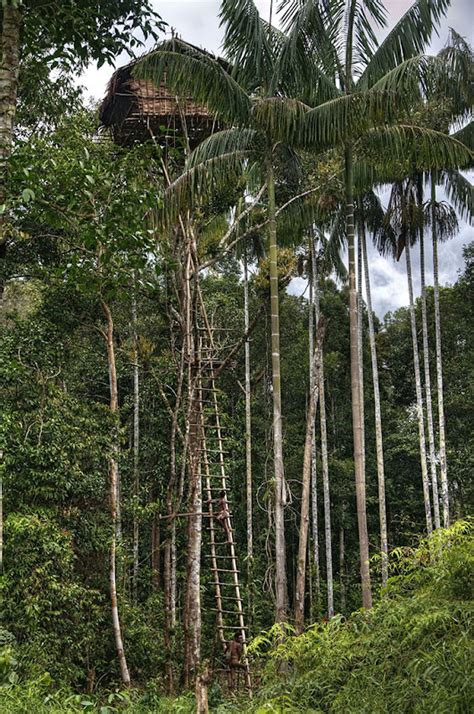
<point>137,110</point>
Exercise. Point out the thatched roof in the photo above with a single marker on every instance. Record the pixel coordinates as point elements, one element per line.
<point>137,110</point>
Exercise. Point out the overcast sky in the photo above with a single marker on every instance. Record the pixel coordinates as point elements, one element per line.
<point>197,22</point>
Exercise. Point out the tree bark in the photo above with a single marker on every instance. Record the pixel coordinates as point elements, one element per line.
<point>355,392</point>
<point>248,445</point>
<point>426,366</point>
<point>113,481</point>
<point>192,608</point>
<point>314,473</point>
<point>136,442</point>
<point>324,454</point>
<point>360,344</point>
<point>342,564</point>
<point>280,496</point>
<point>378,416</point>
<point>9,71</point>
<point>439,363</point>
<point>419,397</point>
<point>304,517</point>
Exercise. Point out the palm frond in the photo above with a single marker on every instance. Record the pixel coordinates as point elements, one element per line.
<point>446,220</point>
<point>408,38</point>
<point>247,42</point>
<point>308,59</point>
<point>460,192</point>
<point>187,70</point>
<point>422,148</point>
<point>280,118</point>
<point>466,135</point>
<point>347,116</point>
<point>199,183</point>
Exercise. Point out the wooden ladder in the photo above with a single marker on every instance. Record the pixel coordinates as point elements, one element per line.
<point>230,617</point>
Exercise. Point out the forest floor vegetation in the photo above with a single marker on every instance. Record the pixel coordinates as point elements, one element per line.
<point>412,652</point>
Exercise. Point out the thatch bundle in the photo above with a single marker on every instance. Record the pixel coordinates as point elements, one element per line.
<point>138,110</point>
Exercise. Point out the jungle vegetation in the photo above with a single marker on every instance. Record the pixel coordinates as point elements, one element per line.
<point>147,285</point>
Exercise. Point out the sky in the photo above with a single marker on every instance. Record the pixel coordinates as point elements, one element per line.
<point>197,21</point>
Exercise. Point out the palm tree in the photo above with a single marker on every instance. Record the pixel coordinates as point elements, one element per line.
<point>351,112</point>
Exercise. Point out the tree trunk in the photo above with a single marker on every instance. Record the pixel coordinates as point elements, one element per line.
<point>324,453</point>
<point>360,344</point>
<point>155,553</point>
<point>342,563</point>
<point>136,443</point>
<point>9,71</point>
<point>192,608</point>
<point>378,416</point>
<point>355,392</point>
<point>426,365</point>
<point>248,446</point>
<point>113,481</point>
<point>439,363</point>
<point>419,397</point>
<point>314,493</point>
<point>304,518</point>
<point>280,496</point>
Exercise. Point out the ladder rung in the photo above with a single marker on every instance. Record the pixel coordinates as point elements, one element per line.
<point>226,612</point>
<point>230,627</point>
<point>217,556</point>
<point>224,570</point>
<point>214,451</point>
<point>231,597</point>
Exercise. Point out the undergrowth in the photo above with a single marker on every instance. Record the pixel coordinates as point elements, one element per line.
<point>412,652</point>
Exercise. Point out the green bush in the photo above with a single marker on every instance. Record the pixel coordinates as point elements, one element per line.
<point>412,652</point>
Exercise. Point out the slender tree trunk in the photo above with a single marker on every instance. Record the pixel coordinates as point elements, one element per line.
<point>360,344</point>
<point>314,473</point>
<point>248,446</point>
<point>439,363</point>
<point>192,608</point>
<point>355,391</point>
<point>419,397</point>
<point>324,453</point>
<point>136,442</point>
<point>280,495</point>
<point>305,496</point>
<point>378,416</point>
<point>342,563</point>
<point>113,481</point>
<point>9,70</point>
<point>155,553</point>
<point>429,405</point>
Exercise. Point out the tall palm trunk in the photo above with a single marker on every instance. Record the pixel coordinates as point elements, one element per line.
<point>378,416</point>
<point>136,443</point>
<point>305,496</point>
<point>9,69</point>
<point>355,392</point>
<point>439,362</point>
<point>360,337</point>
<point>192,608</point>
<point>426,365</point>
<point>248,443</point>
<point>419,397</point>
<point>280,496</point>
<point>314,472</point>
<point>324,452</point>
<point>113,484</point>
